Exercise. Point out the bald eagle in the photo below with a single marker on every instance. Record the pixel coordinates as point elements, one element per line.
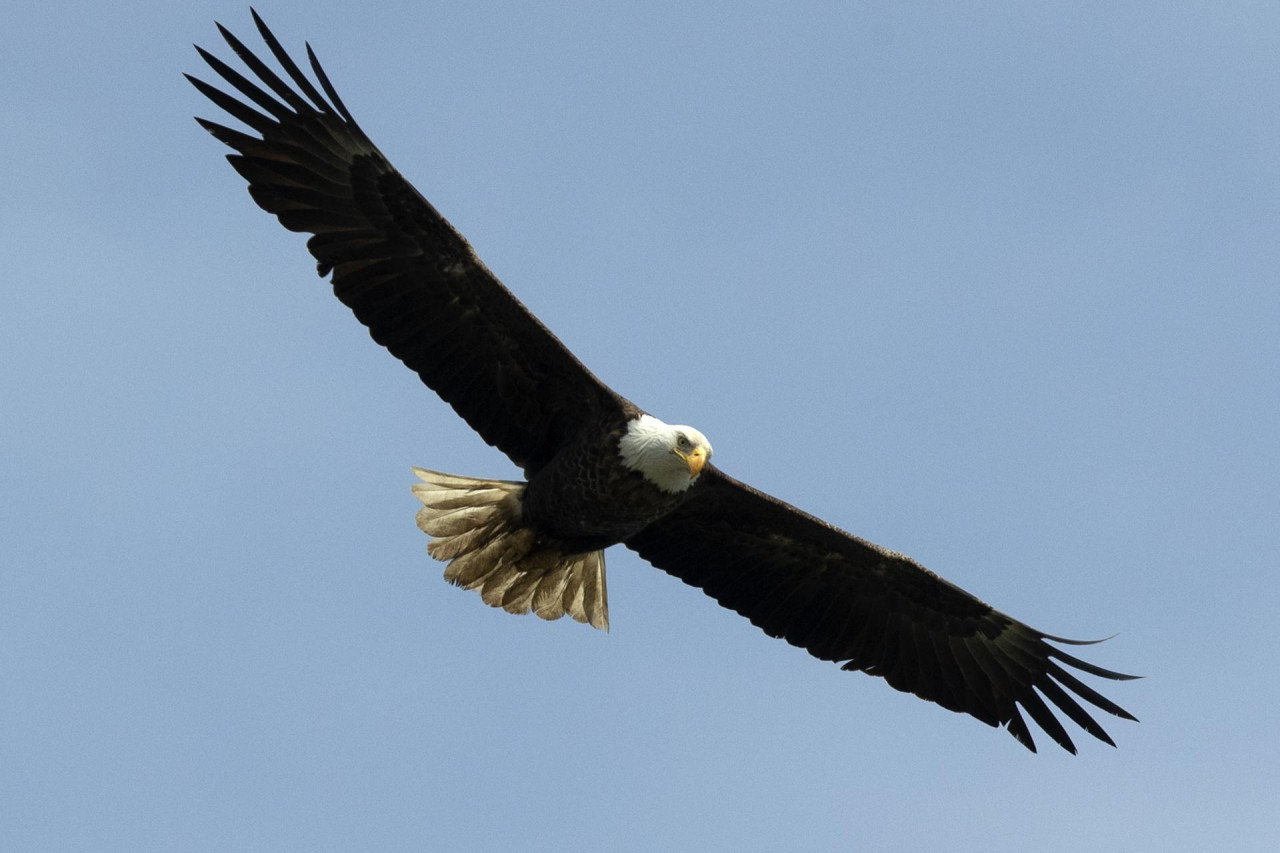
<point>599,471</point>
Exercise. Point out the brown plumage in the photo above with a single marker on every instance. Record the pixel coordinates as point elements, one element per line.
<point>599,471</point>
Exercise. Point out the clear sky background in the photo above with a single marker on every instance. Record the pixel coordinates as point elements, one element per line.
<point>994,285</point>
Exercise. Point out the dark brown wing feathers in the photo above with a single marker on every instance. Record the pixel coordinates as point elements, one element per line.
<point>398,264</point>
<point>846,600</point>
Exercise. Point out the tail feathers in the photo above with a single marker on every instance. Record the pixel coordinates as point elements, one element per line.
<point>475,526</point>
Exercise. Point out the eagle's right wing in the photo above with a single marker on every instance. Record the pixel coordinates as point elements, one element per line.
<point>398,264</point>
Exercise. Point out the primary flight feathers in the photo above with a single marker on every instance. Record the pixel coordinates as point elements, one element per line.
<point>600,471</point>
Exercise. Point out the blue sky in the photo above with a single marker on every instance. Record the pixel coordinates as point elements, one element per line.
<point>994,286</point>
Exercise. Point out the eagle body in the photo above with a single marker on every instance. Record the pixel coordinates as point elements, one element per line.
<point>599,471</point>
<point>587,498</point>
<point>539,546</point>
<point>587,502</point>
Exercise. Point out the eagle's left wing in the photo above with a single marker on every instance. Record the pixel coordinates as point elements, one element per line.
<point>847,600</point>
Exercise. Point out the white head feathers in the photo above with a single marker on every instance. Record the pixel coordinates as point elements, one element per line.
<point>670,457</point>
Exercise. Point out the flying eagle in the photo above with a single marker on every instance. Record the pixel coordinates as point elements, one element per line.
<point>600,471</point>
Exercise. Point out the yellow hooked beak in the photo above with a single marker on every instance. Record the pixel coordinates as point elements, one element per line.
<point>694,459</point>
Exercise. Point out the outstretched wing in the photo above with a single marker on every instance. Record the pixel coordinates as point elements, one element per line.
<point>844,599</point>
<point>397,263</point>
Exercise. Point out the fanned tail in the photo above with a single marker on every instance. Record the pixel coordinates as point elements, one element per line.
<point>475,526</point>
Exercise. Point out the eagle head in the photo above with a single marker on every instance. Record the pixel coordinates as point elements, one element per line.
<point>669,456</point>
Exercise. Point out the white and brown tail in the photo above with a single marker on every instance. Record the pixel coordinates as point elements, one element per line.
<point>475,526</point>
